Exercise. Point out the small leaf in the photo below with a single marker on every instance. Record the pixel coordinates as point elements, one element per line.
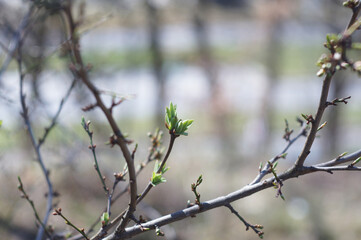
<point>1,122</point>
<point>157,178</point>
<point>275,165</point>
<point>83,122</point>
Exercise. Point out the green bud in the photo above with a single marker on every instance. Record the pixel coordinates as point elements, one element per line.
<point>105,218</point>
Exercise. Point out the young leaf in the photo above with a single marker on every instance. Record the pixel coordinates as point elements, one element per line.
<point>157,178</point>
<point>174,124</point>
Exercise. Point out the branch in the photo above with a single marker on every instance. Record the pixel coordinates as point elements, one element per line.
<point>254,227</point>
<point>150,186</point>
<point>266,168</point>
<point>341,159</point>
<point>17,39</point>
<point>55,117</point>
<point>155,153</point>
<point>331,169</point>
<point>316,122</point>
<point>36,147</point>
<point>58,212</point>
<point>81,73</point>
<point>26,196</point>
<point>221,201</point>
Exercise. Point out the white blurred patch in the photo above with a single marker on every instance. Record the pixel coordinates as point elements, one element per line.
<point>298,208</point>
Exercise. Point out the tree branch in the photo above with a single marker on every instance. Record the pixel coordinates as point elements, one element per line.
<point>81,73</point>
<point>36,147</point>
<point>246,191</point>
<point>266,168</point>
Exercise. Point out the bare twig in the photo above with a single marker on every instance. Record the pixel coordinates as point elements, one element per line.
<point>26,196</point>
<point>338,100</point>
<point>255,228</point>
<point>315,124</point>
<point>58,212</point>
<point>36,146</point>
<point>155,152</point>
<point>55,117</point>
<point>92,147</point>
<point>17,39</point>
<point>290,141</point>
<point>223,200</point>
<point>82,74</point>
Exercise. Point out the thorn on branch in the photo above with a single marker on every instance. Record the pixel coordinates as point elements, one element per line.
<point>134,151</point>
<point>288,132</point>
<point>89,107</point>
<point>338,100</point>
<point>115,103</point>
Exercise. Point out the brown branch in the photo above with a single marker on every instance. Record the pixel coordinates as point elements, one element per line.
<point>315,124</point>
<point>82,74</point>
<point>223,200</point>
<point>355,13</point>
<point>290,142</point>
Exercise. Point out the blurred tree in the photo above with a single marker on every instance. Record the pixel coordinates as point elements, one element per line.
<point>155,48</point>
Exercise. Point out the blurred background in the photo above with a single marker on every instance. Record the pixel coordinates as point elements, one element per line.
<point>238,68</point>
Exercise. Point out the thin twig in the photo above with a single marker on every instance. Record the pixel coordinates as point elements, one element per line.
<point>82,74</point>
<point>17,39</point>
<point>58,212</point>
<point>220,201</point>
<point>316,122</point>
<point>31,202</point>
<point>154,150</point>
<point>36,147</point>
<point>255,228</point>
<point>266,168</point>
<point>56,116</point>
<point>92,147</point>
<point>150,186</point>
